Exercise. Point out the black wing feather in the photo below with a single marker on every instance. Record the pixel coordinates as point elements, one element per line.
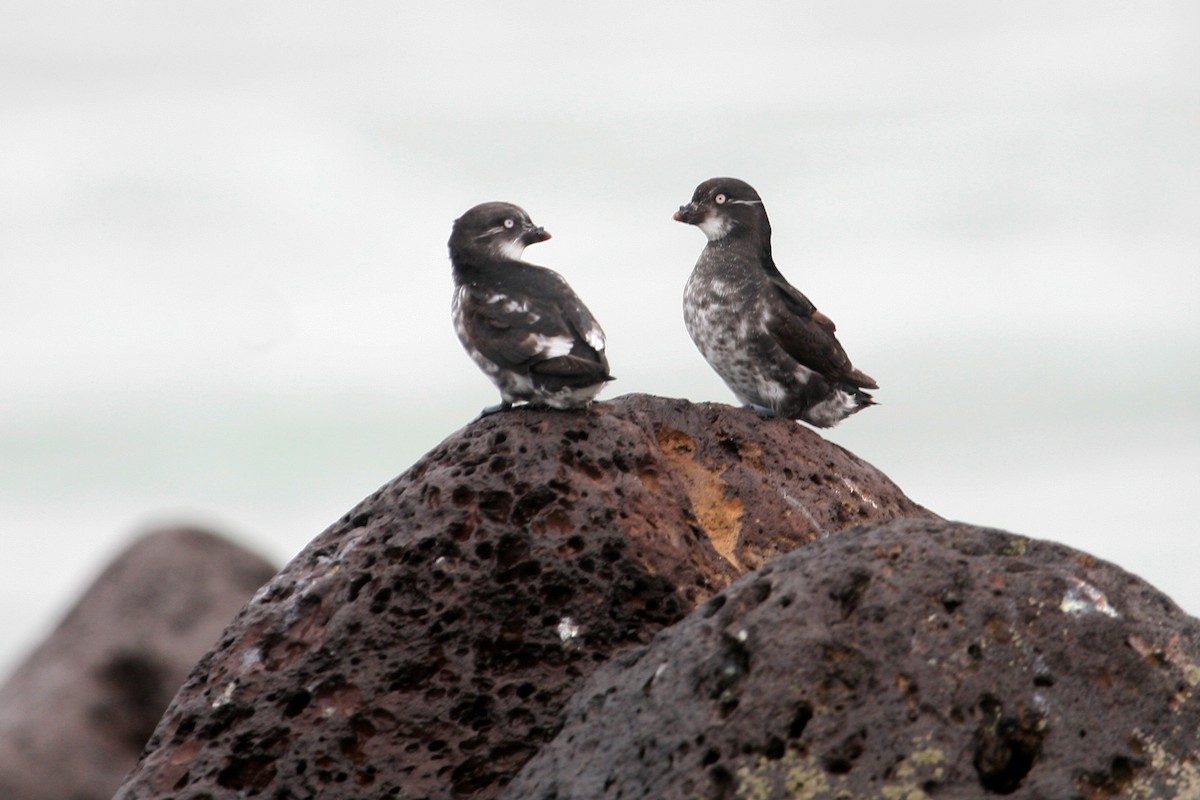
<point>512,328</point>
<point>807,335</point>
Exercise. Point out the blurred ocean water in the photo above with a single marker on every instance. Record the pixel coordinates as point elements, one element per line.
<point>222,238</point>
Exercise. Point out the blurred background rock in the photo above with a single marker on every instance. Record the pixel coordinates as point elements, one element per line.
<point>76,712</point>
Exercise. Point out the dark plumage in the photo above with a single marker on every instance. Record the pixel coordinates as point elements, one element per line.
<point>766,340</point>
<point>522,324</point>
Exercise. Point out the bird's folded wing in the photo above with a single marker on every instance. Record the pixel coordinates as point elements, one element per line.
<point>807,335</point>
<point>569,367</point>
<point>525,336</point>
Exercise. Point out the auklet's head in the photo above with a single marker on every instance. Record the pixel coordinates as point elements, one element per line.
<point>722,206</point>
<point>499,230</point>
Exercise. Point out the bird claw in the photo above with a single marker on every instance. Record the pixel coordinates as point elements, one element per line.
<point>487,412</point>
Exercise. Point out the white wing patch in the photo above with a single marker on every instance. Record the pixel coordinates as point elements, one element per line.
<point>595,338</point>
<point>507,304</point>
<point>551,346</point>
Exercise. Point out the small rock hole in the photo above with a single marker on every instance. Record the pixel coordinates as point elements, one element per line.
<point>296,703</point>
<point>722,780</point>
<point>775,748</point>
<point>1006,747</point>
<point>800,719</point>
<point>713,606</point>
<point>760,591</point>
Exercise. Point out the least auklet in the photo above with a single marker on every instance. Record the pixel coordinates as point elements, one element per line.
<point>521,324</point>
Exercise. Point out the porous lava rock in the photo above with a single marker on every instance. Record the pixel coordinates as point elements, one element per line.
<point>908,659</point>
<point>425,644</point>
<point>76,713</point>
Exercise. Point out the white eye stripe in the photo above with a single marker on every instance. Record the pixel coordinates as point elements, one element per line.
<point>494,231</point>
<point>746,202</point>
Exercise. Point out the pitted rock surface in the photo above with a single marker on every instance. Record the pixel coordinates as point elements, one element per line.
<point>909,659</point>
<point>424,645</point>
<point>76,713</point>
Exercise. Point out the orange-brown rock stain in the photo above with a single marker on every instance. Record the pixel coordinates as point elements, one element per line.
<point>720,516</point>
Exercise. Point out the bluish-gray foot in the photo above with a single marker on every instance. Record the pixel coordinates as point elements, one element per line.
<point>766,412</point>
<point>487,412</point>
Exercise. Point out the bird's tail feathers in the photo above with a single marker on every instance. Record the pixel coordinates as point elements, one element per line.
<point>861,380</point>
<point>861,398</point>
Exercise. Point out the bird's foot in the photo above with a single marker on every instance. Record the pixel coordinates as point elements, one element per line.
<point>766,412</point>
<point>487,412</point>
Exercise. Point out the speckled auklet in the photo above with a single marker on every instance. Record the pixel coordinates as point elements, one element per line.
<point>771,346</point>
<point>520,323</point>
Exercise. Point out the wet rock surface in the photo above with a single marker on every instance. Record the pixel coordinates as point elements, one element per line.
<point>908,659</point>
<point>425,645</point>
<point>76,713</point>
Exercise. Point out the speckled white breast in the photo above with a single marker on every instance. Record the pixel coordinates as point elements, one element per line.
<point>729,330</point>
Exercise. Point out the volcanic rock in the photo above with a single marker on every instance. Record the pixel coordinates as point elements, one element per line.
<point>907,659</point>
<point>425,645</point>
<point>76,713</point>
